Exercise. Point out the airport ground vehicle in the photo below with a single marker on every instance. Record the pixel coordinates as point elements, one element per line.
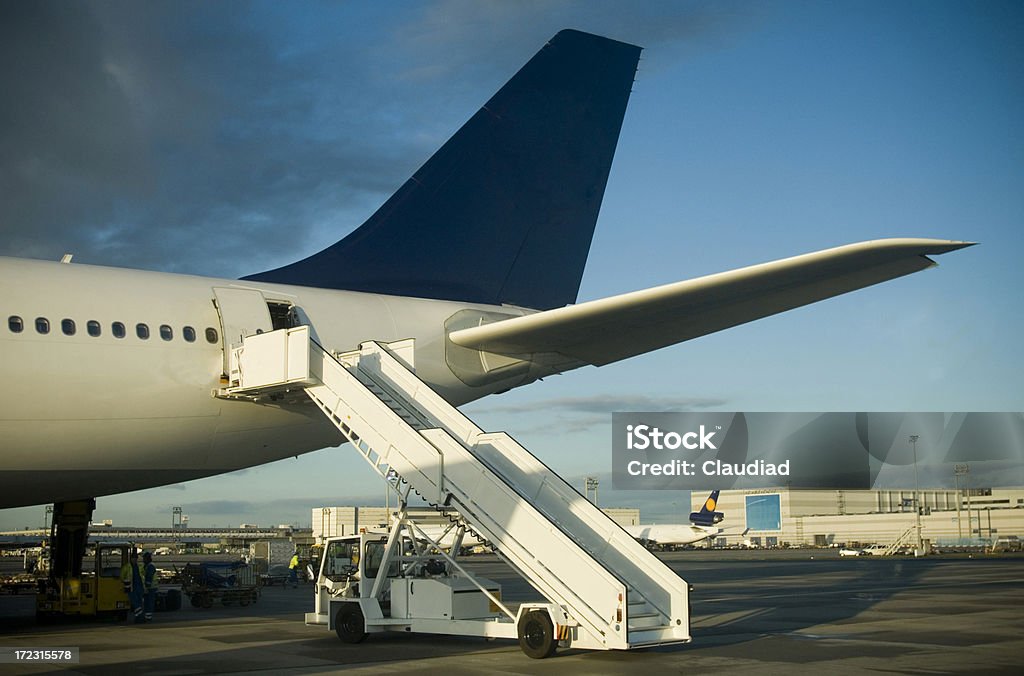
<point>602,589</point>
<point>374,582</point>
<point>226,583</point>
<point>96,592</point>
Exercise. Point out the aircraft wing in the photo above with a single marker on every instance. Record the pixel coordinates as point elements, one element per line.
<point>603,331</point>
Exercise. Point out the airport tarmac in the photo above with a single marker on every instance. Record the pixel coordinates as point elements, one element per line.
<point>753,612</point>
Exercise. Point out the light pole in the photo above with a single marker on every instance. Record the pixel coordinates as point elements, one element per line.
<point>967,489</point>
<point>175,526</point>
<point>959,471</point>
<point>592,483</point>
<point>917,490</point>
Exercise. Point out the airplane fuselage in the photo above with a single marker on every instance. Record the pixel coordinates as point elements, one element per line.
<point>673,533</point>
<point>110,375</point>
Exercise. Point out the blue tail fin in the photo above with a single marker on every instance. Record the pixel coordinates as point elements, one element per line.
<point>707,516</point>
<point>505,211</point>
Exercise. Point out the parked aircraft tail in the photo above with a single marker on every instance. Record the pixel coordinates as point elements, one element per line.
<point>707,516</point>
<point>504,212</point>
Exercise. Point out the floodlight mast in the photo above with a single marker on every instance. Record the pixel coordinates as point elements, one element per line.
<point>959,471</point>
<point>917,505</point>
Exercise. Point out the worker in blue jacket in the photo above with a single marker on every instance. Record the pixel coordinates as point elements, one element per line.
<point>149,584</point>
<point>293,570</point>
<point>132,577</point>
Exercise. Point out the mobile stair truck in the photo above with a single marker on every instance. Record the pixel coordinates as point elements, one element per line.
<point>604,591</point>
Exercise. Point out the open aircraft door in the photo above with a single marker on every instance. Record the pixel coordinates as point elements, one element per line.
<point>243,312</point>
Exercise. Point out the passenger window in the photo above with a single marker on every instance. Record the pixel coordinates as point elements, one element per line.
<point>166,332</point>
<point>15,324</point>
<point>211,335</point>
<point>117,328</point>
<point>189,334</point>
<point>42,325</point>
<point>67,326</point>
<point>93,327</point>
<point>142,331</point>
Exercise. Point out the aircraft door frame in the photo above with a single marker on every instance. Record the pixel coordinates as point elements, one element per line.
<point>242,312</point>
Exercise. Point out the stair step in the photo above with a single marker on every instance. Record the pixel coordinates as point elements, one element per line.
<point>646,622</point>
<point>658,635</point>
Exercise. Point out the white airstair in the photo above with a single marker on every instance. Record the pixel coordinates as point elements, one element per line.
<point>610,588</point>
<point>900,542</point>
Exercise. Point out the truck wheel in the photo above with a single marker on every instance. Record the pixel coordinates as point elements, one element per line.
<point>349,623</point>
<point>537,635</point>
<point>196,600</point>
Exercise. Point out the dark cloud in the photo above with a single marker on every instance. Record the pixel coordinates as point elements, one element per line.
<point>174,136</point>
<point>225,138</point>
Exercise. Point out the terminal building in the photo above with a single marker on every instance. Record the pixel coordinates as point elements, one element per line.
<point>784,517</point>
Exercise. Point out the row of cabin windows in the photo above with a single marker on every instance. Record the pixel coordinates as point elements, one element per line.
<point>117,329</point>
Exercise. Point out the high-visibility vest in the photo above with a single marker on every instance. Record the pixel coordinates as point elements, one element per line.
<point>128,576</point>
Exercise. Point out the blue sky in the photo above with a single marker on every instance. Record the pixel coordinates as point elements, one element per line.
<point>227,138</point>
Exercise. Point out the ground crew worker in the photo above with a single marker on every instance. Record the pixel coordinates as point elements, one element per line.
<point>132,577</point>
<point>149,585</point>
<point>293,570</point>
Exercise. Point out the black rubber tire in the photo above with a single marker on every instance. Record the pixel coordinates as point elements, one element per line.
<point>349,623</point>
<point>196,600</point>
<point>537,635</point>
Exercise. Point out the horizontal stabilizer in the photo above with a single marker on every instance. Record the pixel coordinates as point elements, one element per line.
<point>603,331</point>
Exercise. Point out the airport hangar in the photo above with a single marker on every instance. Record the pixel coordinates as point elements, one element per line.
<point>780,517</point>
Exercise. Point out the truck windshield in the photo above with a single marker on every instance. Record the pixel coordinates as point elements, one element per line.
<point>341,560</point>
<point>110,562</point>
